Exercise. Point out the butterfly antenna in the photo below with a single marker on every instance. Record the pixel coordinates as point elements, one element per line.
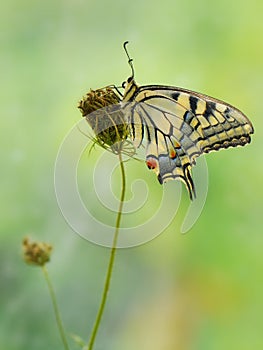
<point>129,59</point>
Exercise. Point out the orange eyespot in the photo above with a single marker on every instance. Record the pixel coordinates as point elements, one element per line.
<point>172,154</point>
<point>151,163</point>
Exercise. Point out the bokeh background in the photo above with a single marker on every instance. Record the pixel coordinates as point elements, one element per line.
<point>198,291</point>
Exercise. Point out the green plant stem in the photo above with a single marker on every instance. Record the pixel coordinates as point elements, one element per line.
<point>111,261</point>
<point>55,307</point>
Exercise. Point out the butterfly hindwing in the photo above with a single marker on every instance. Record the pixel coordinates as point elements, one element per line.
<point>170,140</point>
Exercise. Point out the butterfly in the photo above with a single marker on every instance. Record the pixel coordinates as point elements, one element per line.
<point>177,125</point>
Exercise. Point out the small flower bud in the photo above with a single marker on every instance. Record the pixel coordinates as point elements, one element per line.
<point>36,253</point>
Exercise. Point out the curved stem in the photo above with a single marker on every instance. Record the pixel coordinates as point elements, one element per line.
<point>55,307</point>
<point>111,261</point>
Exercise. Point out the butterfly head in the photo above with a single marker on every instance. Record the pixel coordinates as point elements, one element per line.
<point>130,88</point>
<point>128,82</point>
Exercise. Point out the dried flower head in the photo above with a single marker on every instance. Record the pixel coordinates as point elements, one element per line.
<point>102,110</point>
<point>36,253</point>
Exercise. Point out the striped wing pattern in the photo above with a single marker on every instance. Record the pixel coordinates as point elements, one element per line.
<point>178,126</point>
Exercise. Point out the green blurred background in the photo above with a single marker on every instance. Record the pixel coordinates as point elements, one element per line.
<point>198,291</point>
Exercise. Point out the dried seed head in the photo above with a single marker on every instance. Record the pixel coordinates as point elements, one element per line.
<point>103,112</point>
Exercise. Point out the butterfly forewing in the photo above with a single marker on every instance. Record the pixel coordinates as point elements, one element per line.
<point>179,125</point>
<point>215,120</point>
